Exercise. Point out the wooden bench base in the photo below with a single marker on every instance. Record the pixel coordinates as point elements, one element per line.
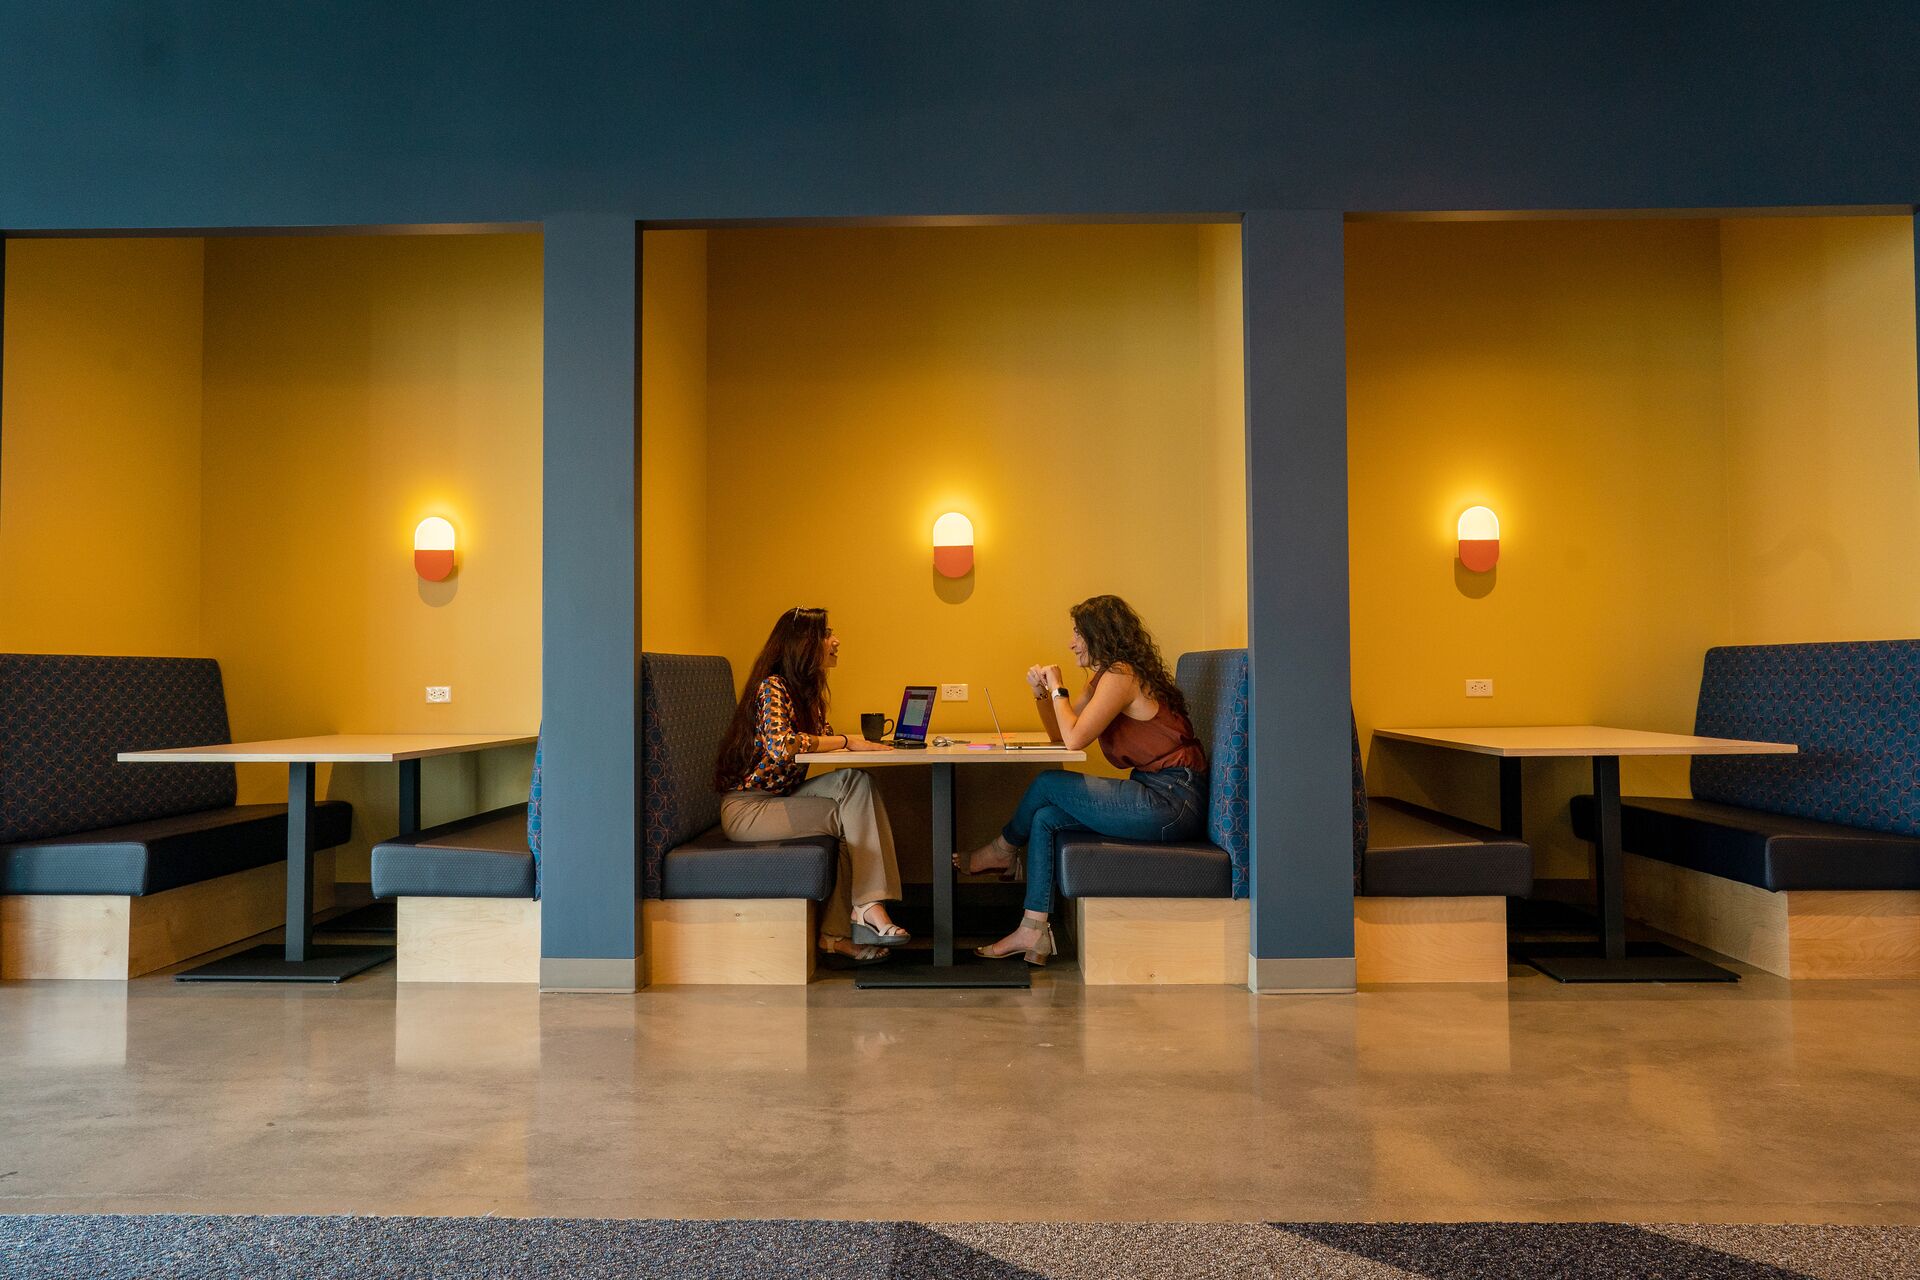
<point>744,941</point>
<point>1194,941</point>
<point>1802,933</point>
<point>1430,939</point>
<point>1161,941</point>
<point>115,937</point>
<point>468,940</point>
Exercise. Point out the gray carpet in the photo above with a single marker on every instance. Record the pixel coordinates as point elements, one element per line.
<point>162,1247</point>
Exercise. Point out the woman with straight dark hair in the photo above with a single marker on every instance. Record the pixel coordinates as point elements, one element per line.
<point>1132,708</point>
<point>766,795</point>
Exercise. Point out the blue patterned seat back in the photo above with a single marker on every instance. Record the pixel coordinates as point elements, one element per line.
<point>1853,709</point>
<point>533,813</point>
<point>685,704</point>
<point>64,717</point>
<point>1215,684</point>
<point>1359,804</point>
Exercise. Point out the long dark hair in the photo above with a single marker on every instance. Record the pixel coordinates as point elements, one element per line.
<point>796,652</point>
<point>1116,637</point>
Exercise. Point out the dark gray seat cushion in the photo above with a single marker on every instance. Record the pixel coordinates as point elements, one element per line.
<point>712,866</point>
<point>1414,852</point>
<point>158,854</point>
<point>1771,850</point>
<point>483,856</point>
<point>1093,866</point>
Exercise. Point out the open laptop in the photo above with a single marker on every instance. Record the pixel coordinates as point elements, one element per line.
<point>1015,746</point>
<point>916,713</point>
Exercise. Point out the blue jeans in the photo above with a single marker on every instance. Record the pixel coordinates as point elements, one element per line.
<point>1169,805</point>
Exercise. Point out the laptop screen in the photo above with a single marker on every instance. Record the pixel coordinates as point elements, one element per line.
<point>916,713</point>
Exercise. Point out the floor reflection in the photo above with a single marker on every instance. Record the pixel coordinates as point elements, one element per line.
<point>1526,1100</point>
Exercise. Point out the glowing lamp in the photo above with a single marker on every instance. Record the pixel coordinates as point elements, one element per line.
<point>433,549</point>
<point>1479,539</point>
<point>953,545</point>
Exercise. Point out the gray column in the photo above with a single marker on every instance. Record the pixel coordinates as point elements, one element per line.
<point>589,681</point>
<point>1302,882</point>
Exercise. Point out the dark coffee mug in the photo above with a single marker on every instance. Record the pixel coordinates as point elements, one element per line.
<point>875,727</point>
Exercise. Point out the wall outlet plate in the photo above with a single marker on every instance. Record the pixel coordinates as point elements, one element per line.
<point>439,693</point>
<point>1479,688</point>
<point>953,693</point>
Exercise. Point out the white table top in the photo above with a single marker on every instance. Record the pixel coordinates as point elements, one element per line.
<point>1581,740</point>
<point>981,746</point>
<point>331,748</point>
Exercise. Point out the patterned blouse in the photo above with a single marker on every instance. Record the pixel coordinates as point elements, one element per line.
<point>776,742</point>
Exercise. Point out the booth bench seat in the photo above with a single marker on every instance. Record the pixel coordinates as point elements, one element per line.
<point>1173,914</point>
<point>1806,866</point>
<point>111,870</point>
<point>714,911</point>
<point>468,908</point>
<point>1431,891</point>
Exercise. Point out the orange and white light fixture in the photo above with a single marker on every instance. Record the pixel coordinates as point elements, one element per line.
<point>1479,539</point>
<point>433,549</point>
<point>953,545</point>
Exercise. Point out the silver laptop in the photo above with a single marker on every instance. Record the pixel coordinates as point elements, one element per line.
<point>1015,746</point>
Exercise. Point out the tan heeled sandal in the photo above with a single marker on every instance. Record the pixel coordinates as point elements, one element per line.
<point>869,935</point>
<point>1035,955</point>
<point>963,863</point>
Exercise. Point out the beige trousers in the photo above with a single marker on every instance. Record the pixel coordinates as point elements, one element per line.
<point>841,804</point>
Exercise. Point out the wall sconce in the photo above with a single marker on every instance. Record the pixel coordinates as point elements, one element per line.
<point>1479,539</point>
<point>953,545</point>
<point>433,549</point>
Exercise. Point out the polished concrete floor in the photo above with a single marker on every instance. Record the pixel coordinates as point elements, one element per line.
<point>1761,1102</point>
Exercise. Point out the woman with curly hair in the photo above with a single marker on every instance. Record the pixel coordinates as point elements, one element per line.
<point>1132,708</point>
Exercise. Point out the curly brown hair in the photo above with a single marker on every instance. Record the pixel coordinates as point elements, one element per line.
<point>1116,637</point>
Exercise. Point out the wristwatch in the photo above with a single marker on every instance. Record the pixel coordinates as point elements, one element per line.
<point>1060,691</point>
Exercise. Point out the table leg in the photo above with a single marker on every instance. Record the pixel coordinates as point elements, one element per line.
<point>297,959</point>
<point>944,971</point>
<point>1510,811</point>
<point>409,797</point>
<point>1609,888</point>
<point>1618,961</point>
<point>300,820</point>
<point>943,842</point>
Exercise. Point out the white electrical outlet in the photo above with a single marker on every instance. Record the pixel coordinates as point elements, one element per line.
<point>439,693</point>
<point>1479,688</point>
<point>953,693</point>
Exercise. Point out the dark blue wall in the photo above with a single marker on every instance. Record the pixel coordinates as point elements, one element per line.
<point>586,118</point>
<point>143,112</point>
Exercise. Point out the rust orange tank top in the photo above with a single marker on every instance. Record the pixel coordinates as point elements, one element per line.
<point>1164,742</point>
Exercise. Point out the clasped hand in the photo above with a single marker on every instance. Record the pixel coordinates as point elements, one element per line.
<point>1043,679</point>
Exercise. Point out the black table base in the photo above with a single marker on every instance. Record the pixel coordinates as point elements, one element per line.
<point>1642,962</point>
<point>1610,958</point>
<point>947,969</point>
<point>968,972</point>
<point>298,959</point>
<point>270,964</point>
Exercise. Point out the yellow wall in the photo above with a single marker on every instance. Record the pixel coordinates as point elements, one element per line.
<point>1823,464</point>
<point>1053,383</point>
<point>353,386</point>
<point>1059,385</point>
<point>1569,376</point>
<point>672,452</point>
<point>100,448</point>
